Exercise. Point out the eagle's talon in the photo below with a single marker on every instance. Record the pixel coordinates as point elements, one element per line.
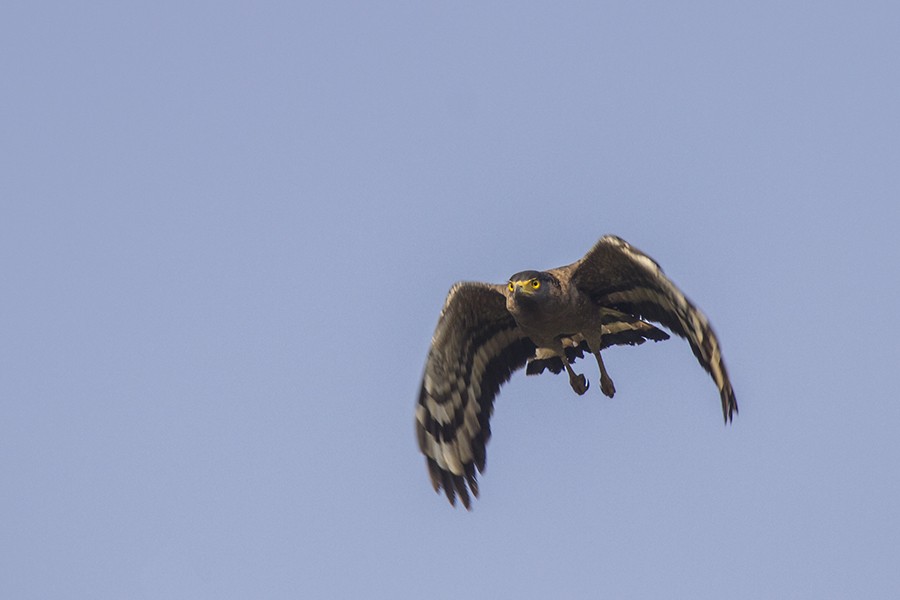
<point>580,384</point>
<point>606,382</point>
<point>607,387</point>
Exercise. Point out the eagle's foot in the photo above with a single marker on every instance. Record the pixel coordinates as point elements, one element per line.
<point>606,382</point>
<point>579,383</point>
<point>606,385</point>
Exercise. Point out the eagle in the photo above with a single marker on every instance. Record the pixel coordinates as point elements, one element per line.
<point>544,321</point>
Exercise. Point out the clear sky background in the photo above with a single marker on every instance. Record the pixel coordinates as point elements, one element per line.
<point>227,230</point>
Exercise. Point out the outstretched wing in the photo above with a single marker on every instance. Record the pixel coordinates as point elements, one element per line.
<point>475,349</point>
<point>616,275</point>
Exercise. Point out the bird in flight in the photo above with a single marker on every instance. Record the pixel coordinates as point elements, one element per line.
<point>543,320</point>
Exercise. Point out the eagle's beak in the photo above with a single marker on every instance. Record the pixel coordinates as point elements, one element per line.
<point>522,289</point>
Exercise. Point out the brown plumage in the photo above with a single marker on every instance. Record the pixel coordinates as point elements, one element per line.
<point>547,320</point>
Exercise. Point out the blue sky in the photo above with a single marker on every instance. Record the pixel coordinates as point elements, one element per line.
<point>228,229</point>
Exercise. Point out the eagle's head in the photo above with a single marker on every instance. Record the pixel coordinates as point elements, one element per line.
<point>531,291</point>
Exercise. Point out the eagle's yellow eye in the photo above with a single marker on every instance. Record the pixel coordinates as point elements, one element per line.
<point>511,286</point>
<point>535,283</point>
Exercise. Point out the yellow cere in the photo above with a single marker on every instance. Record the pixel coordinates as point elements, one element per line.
<point>534,284</point>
